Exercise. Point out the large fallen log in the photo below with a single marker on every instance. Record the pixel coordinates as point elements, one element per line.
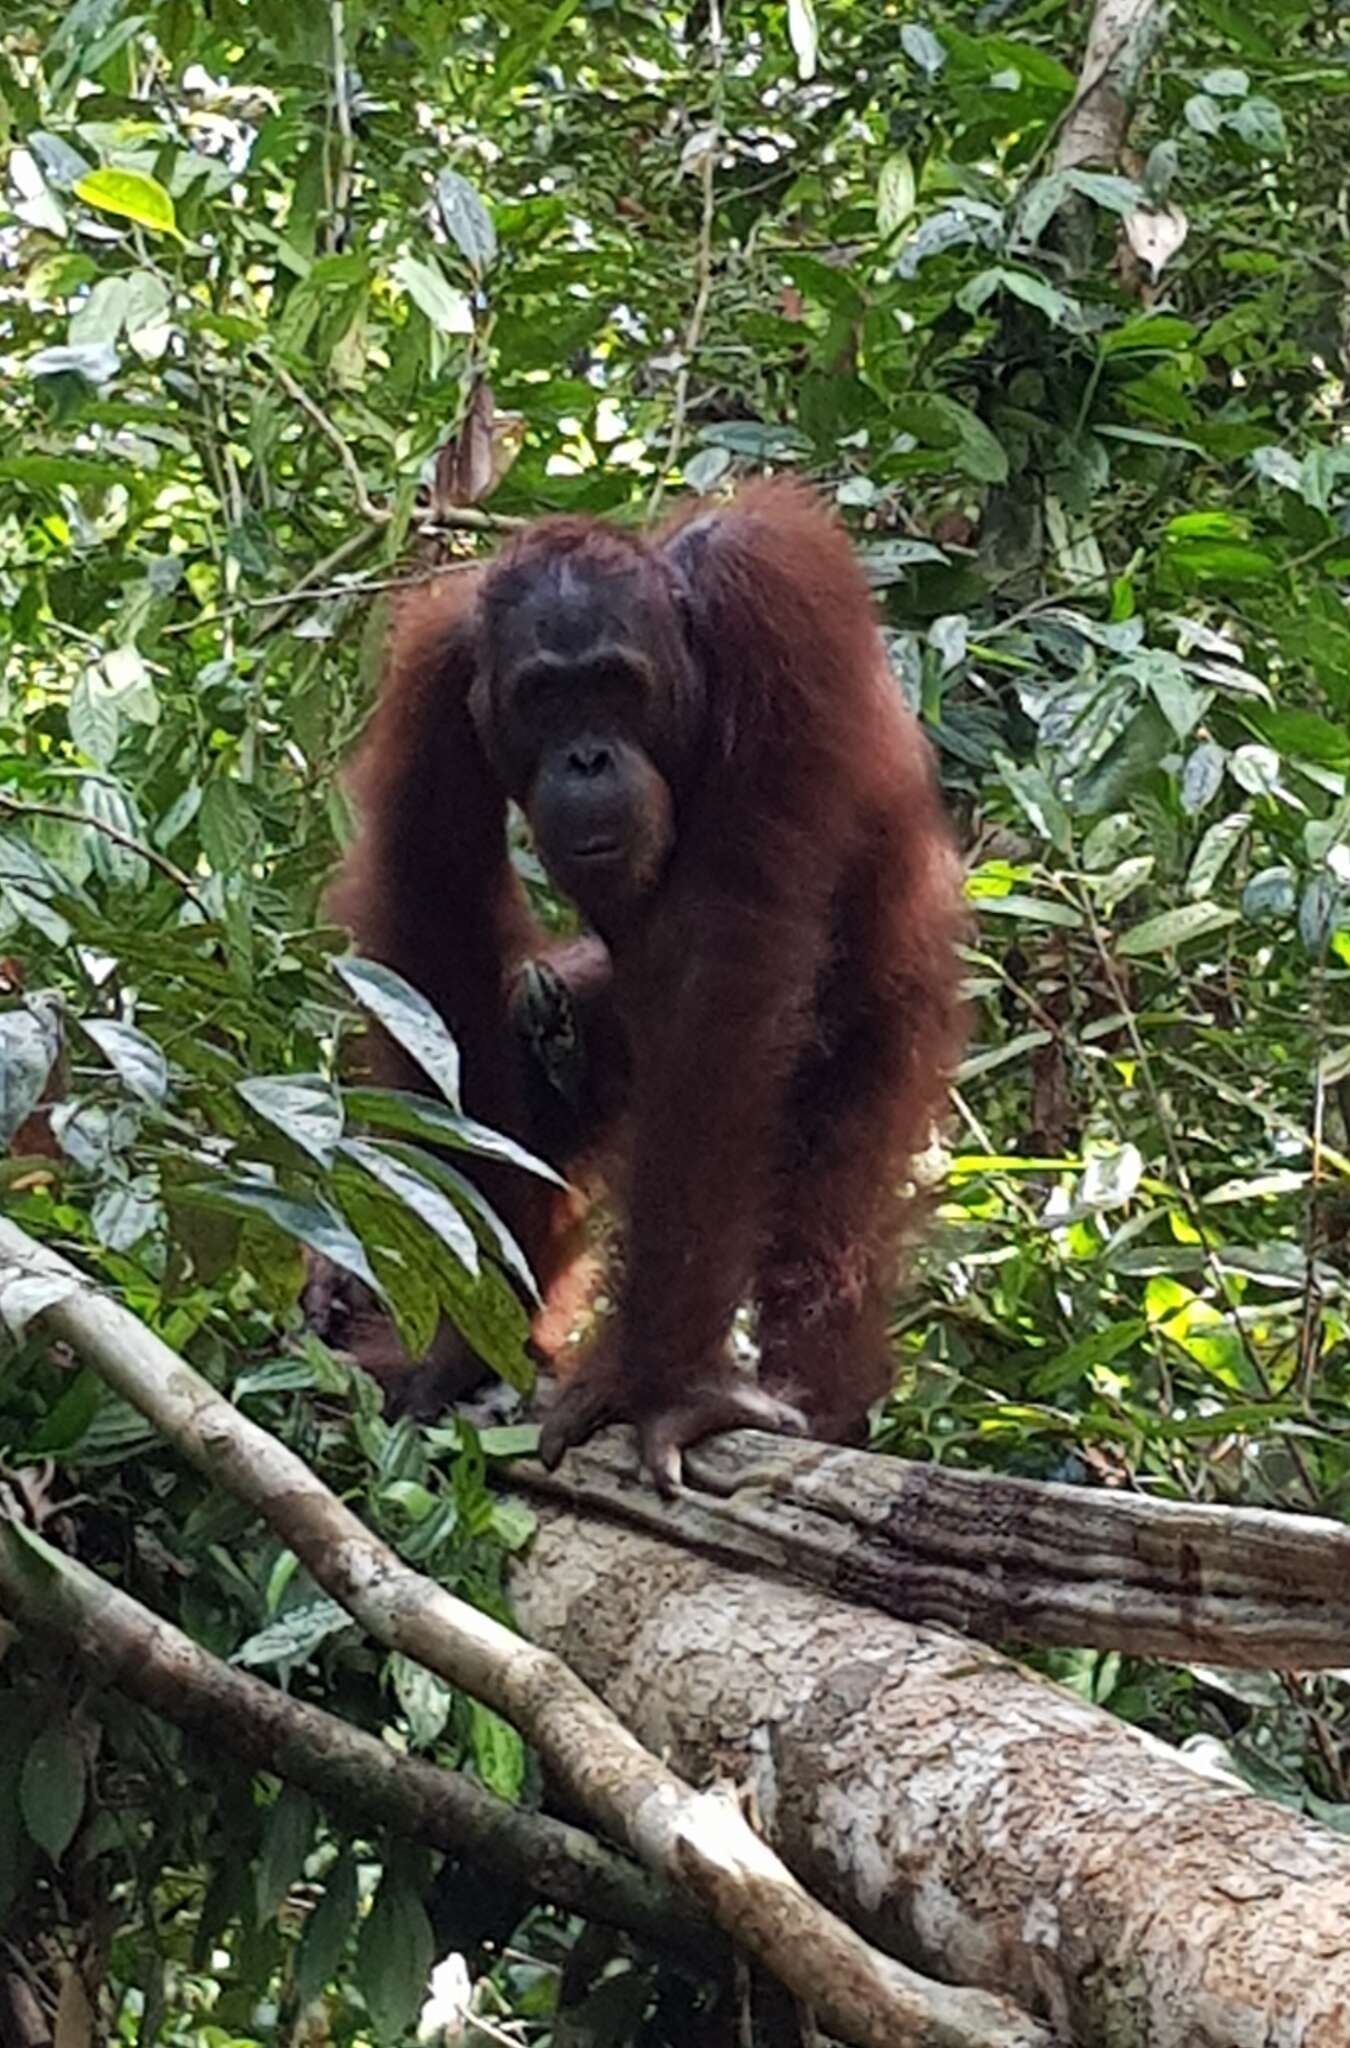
<point>979,1822</point>
<point>1007,1560</point>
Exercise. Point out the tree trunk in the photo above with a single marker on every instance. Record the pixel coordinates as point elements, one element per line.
<point>979,1822</point>
<point>1009,1560</point>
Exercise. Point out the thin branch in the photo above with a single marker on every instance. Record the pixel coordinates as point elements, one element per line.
<point>697,1841</point>
<point>21,808</point>
<point>342,185</point>
<point>703,293</point>
<point>377,515</point>
<point>60,1602</point>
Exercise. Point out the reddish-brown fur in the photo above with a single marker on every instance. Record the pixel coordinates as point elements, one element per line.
<point>768,1046</point>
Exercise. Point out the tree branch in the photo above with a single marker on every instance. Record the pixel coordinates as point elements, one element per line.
<point>695,1840</point>
<point>1008,1560</point>
<point>61,1603</point>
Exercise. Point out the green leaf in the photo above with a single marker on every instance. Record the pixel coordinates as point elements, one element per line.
<point>467,221</point>
<point>287,1838</point>
<point>448,311</point>
<point>295,1637</point>
<point>1103,188</point>
<point>1215,850</point>
<point>326,1932</point>
<point>1035,909</point>
<point>1202,777</point>
<point>895,193</point>
<point>29,1043</point>
<point>1067,1367</point>
<point>304,1107</point>
<point>417,1193</point>
<point>408,1017</point>
<point>940,422</point>
<point>310,1222</point>
<point>52,1788</point>
<point>416,1116</point>
<point>526,48</point>
<point>394,1956</point>
<point>922,47</point>
<point>133,195</point>
<point>1033,291</point>
<point>1173,928</point>
<point>106,803</point>
<point>1017,1048</point>
<point>424,1698</point>
<point>1272,892</point>
<point>498,1752</point>
<point>138,1061</point>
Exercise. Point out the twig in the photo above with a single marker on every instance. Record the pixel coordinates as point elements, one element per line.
<point>697,1841</point>
<point>342,185</point>
<point>59,1601</point>
<point>694,332</point>
<point>21,808</point>
<point>378,515</point>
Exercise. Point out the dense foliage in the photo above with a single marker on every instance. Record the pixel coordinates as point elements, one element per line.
<point>259,261</point>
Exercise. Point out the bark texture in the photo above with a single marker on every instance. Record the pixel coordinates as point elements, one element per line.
<point>1008,1560</point>
<point>980,1823</point>
<point>1120,42</point>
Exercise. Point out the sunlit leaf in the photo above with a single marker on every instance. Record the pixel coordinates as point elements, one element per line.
<point>133,195</point>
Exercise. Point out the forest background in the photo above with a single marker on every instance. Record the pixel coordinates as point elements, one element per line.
<point>297,299</point>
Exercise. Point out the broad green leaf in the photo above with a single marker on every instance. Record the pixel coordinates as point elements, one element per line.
<point>52,1788</point>
<point>1100,1347</point>
<point>394,1956</point>
<point>304,1107</point>
<point>526,47</point>
<point>125,1213</point>
<point>417,1193</point>
<point>1215,850</point>
<point>139,1063</point>
<point>295,1637</point>
<point>113,850</point>
<point>424,1698</point>
<point>1103,188</point>
<point>922,47</point>
<point>309,1222</point>
<point>448,311</point>
<point>498,1752</point>
<point>467,221</point>
<point>1173,928</point>
<point>287,1838</point>
<point>432,1167</point>
<point>1272,892</point>
<point>408,1018</point>
<point>29,1042</point>
<point>326,1930</point>
<point>415,1116</point>
<point>977,1063</point>
<point>96,361</point>
<point>1035,909</point>
<point>131,194</point>
<point>1057,307</point>
<point>1202,776</point>
<point>705,469</point>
